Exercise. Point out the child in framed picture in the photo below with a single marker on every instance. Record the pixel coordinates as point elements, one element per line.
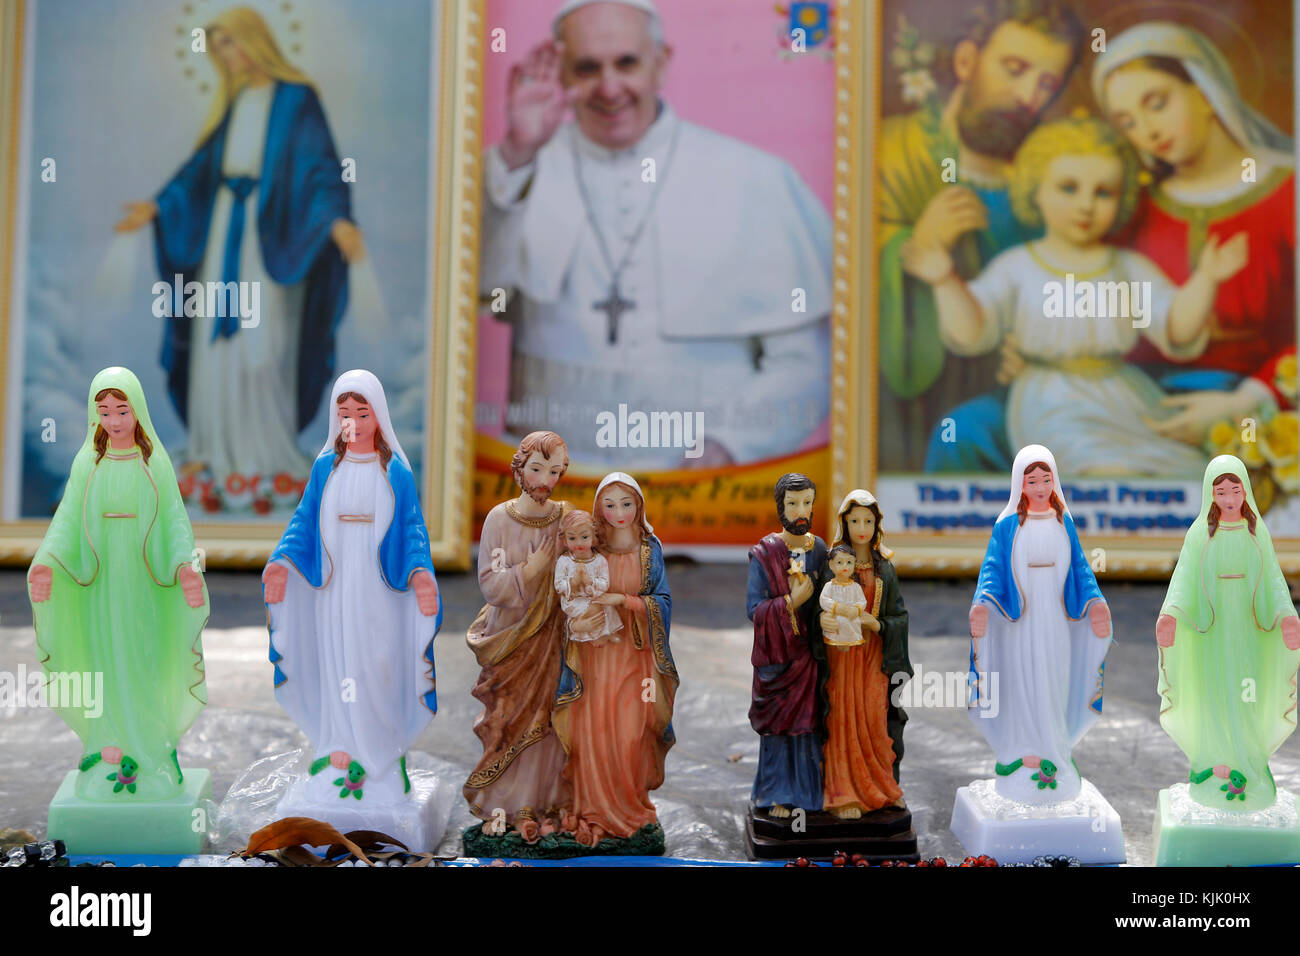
<point>1077,304</point>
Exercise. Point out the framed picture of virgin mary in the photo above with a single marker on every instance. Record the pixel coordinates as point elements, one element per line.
<point>239,201</point>
<point>1077,229</point>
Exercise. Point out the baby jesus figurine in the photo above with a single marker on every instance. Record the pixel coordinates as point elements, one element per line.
<point>843,596</point>
<point>581,575</point>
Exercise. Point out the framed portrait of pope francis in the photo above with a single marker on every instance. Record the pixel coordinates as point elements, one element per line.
<point>656,251</point>
<point>1076,228</point>
<point>239,201</point>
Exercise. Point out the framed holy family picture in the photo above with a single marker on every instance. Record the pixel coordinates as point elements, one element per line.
<point>1075,226</point>
<point>239,201</point>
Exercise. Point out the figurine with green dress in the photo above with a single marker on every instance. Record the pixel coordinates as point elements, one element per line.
<point>119,606</point>
<point>1229,648</point>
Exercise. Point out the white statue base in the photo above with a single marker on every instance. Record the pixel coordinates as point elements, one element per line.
<point>413,818</point>
<point>1087,827</point>
<point>1189,834</point>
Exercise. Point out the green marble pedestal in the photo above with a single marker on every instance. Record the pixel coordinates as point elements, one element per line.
<point>133,826</point>
<point>1188,834</point>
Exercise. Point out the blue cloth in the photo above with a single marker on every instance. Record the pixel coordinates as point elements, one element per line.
<point>789,772</point>
<point>1198,380</point>
<point>979,430</point>
<point>242,187</point>
<point>997,581</point>
<point>1004,229</point>
<point>403,550</point>
<point>997,585</point>
<point>302,194</point>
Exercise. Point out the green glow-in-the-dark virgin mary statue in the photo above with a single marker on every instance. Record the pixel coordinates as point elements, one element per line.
<point>1229,646</point>
<point>119,606</point>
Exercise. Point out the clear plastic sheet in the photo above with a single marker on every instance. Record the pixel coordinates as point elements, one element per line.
<point>251,746</point>
<point>252,799</point>
<point>1184,810</point>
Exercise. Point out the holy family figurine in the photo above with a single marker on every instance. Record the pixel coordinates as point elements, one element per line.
<point>1040,631</point>
<point>577,703</point>
<point>119,606</point>
<point>353,609</point>
<point>824,701</point>
<point>1229,648</point>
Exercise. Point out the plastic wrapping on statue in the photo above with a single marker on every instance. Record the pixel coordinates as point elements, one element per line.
<point>1282,815</point>
<point>253,799</point>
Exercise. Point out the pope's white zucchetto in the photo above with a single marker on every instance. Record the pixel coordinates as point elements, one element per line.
<point>645,6</point>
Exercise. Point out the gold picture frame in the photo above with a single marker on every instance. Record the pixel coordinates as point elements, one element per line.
<point>863,38</point>
<point>449,447</point>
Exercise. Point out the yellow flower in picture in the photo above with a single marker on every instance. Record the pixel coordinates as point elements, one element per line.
<point>1287,478</point>
<point>1284,377</point>
<point>1279,438</point>
<point>1222,439</point>
<point>1250,454</point>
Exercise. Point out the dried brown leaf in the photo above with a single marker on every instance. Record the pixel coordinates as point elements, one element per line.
<point>296,831</point>
<point>301,856</point>
<point>374,838</point>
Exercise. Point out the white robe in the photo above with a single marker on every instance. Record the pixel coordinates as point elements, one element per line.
<point>353,651</point>
<point>735,239</point>
<point>1092,418</point>
<point>848,630</point>
<point>1045,666</point>
<point>243,391</point>
<point>576,601</point>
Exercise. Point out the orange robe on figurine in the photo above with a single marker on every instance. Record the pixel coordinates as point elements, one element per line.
<point>613,711</point>
<point>864,741</point>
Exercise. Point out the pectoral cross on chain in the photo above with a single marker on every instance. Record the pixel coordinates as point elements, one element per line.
<point>614,305</point>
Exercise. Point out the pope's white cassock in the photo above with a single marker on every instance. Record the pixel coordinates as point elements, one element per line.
<point>730,279</point>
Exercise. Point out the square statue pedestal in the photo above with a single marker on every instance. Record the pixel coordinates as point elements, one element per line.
<point>133,826</point>
<point>414,819</point>
<point>1188,834</point>
<point>880,835</point>
<point>1087,827</point>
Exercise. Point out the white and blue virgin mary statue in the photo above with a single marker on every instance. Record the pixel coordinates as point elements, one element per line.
<point>1036,674</point>
<point>353,653</point>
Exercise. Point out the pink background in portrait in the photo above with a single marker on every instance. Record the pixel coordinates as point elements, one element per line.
<point>726,74</point>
